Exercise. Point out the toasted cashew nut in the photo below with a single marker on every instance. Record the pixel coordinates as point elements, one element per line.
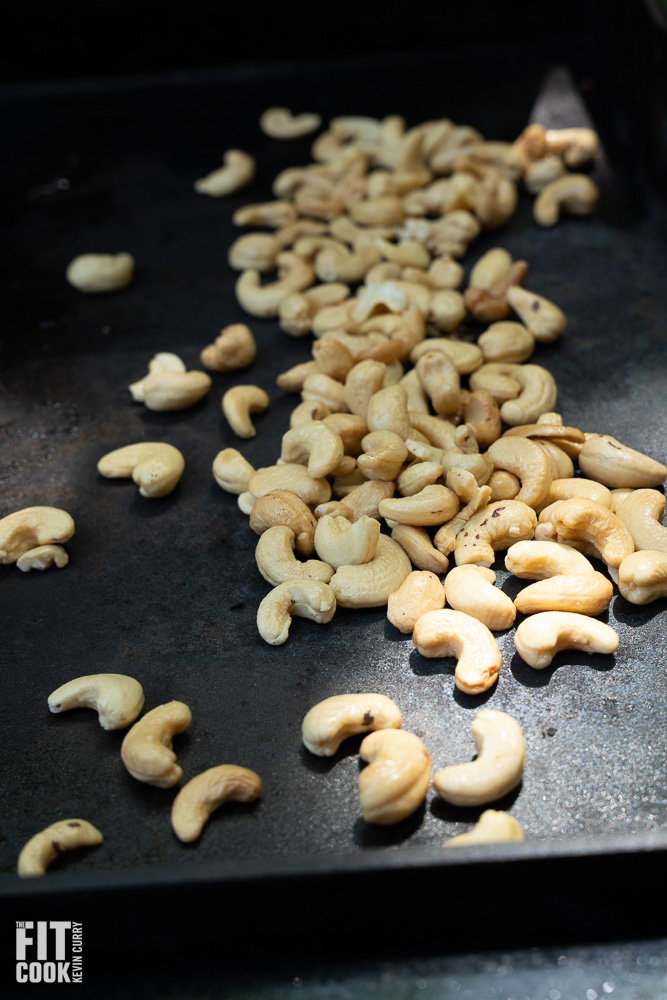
<point>542,172</point>
<point>363,380</point>
<point>384,455</point>
<point>117,698</point>
<point>545,320</point>
<point>235,348</point>
<point>416,476</point>
<point>494,527</point>
<point>364,499</point>
<point>310,599</point>
<point>280,123</point>
<point>45,846</point>
<point>528,462</point>
<point>507,342</point>
<point>432,505</point>
<point>33,527</point>
<point>313,441</point>
<point>531,560</point>
<point>269,213</point>
<point>454,633</point>
<point>254,251</point>
<point>332,357</point>
<point>274,554</point>
<point>464,356</point>
<point>206,792</point>
<point>100,272</point>
<point>340,542</point>
<point>369,584</point>
<point>294,275</point>
<point>238,170</point>
<point>237,405</point>
<point>333,720</point>
<point>283,507</point>
<point>388,411</point>
<point>440,381</point>
<point>479,497</point>
<point>584,593</point>
<point>606,460</point>
<point>231,471</point>
<point>575,194</point>
<point>492,827</point>
<point>471,590</point>
<point>642,513</point>
<point>320,388</point>
<point>42,557</point>
<point>642,576</point>
<point>397,778</point>
<point>348,266</point>
<point>501,758</point>
<point>146,750</point>
<point>540,637</point>
<point>583,520</point>
<point>421,591</point>
<point>351,427</point>
<point>156,467</point>
<point>576,145</point>
<point>168,386</point>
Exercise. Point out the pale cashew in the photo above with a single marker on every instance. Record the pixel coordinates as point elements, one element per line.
<point>231,471</point>
<point>440,381</point>
<point>419,547</point>
<point>365,499</point>
<point>438,432</point>
<point>385,294</point>
<point>507,342</point>
<point>577,145</point>
<point>492,827</point>
<point>297,310</point>
<point>642,513</point>
<point>156,467</point>
<point>575,194</point>
<point>528,462</point>
<point>308,410</point>
<point>409,253</point>
<point>320,388</point>
<point>503,485</point>
<point>254,251</point>
<point>543,172</point>
<point>397,778</point>
<point>146,750</point>
<point>540,637</point>
<point>454,633</point>
<point>280,123</point>
<point>33,527</point>
<point>369,584</point>
<point>432,505</point>
<point>475,498</point>
<point>351,427</point>
<point>269,213</point>
<point>42,557</point>
<point>585,593</point>
<point>310,599</point>
<point>246,502</point>
<point>482,415</point>
<point>237,171</point>
<point>446,310</point>
<point>340,542</point>
<point>363,380</point>
<point>206,792</point>
<point>388,411</point>
<point>283,507</point>
<point>385,211</point>
<point>384,455</point>
<point>117,698</point>
<point>100,272</point>
<point>535,560</point>
<point>415,477</point>
<point>499,767</point>
<point>344,265</point>
<point>235,348</point>
<point>293,379</point>
<point>274,554</point>
<point>237,405</point>
<point>494,527</point>
<point>333,720</point>
<point>606,460</point>
<point>45,846</point>
<point>421,591</point>
<point>642,576</point>
<point>524,391</point>
<point>505,156</point>
<point>583,520</point>
<point>471,590</point>
<point>545,320</point>
<point>567,488</point>
<point>618,496</point>
<point>464,356</point>
<point>417,399</point>
<point>315,443</point>
<point>494,273</point>
<point>332,357</point>
<point>294,274</point>
<point>168,386</point>
<point>289,232</point>
<point>561,465</point>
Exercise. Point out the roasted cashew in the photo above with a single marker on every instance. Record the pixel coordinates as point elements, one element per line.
<point>237,171</point>
<point>231,471</point>
<point>438,432</point>
<point>293,379</point>
<point>421,591</point>
<point>274,554</point>
<point>397,778</point>
<point>332,357</point>
<point>100,272</point>
<point>440,381</point>
<point>583,520</point>
<point>333,720</point>
<point>297,310</point>
<point>419,547</point>
<point>492,827</point>
<point>524,391</point>
<point>42,557</point>
<point>494,527</point>
<point>294,274</point>
<point>531,560</point>
<point>432,505</point>
<point>254,251</point>
<point>374,294</point>
<point>576,145</point>
<point>543,172</point>
<point>499,767</point>
<point>269,213</point>
<point>540,637</point>
<point>320,388</point>
<point>503,485</point>
<point>345,265</point>
<point>528,462</point>
<point>351,427</point>
<point>507,342</point>
<point>340,542</point>
<point>369,584</point>
<point>607,461</point>
<point>584,593</point>
<point>642,576</point>
<point>284,507</point>
<point>310,599</point>
<point>384,455</point>
<point>641,513</point>
<point>575,194</point>
<point>146,750</point>
<point>545,320</point>
<point>475,498</point>
<point>237,405</point>
<point>471,589</point>
<point>416,476</point>
<point>464,356</point>
<point>363,380</point>
<point>316,443</point>
<point>490,278</point>
<point>45,846</point>
<point>33,527</point>
<point>117,698</point>
<point>385,211</point>
<point>168,386</point>
<point>482,415</point>
<point>235,348</point>
<point>388,411</point>
<point>308,410</point>
<point>156,467</point>
<point>206,792</point>
<point>280,123</point>
<point>446,310</point>
<point>454,633</point>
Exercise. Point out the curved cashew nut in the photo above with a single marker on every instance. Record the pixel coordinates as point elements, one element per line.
<point>42,557</point>
<point>388,411</point>
<point>416,476</point>
<point>584,593</point>
<point>45,846</point>
<point>531,560</point>
<point>507,342</point>
<point>576,194</point>
<point>369,584</point>
<point>567,488</point>
<point>294,275</point>
<point>100,272</point>
<point>432,505</point>
<point>117,698</point>
<point>333,720</point>
<point>156,467</point>
<point>31,528</point>
<point>237,405</point>
<point>464,356</point>
<point>283,507</point>
<point>492,827</point>
<point>314,441</point>
<point>503,485</point>
<point>471,589</point>
<point>348,266</point>
<point>642,513</point>
<point>421,591</point>
<point>545,320</point>
<point>238,170</point>
<point>440,381</point>
<point>496,526</point>
<point>276,562</point>
<point>206,792</point>
<point>280,123</point>
<point>583,520</point>
<point>528,462</point>
<point>310,599</point>
<point>254,251</point>
<point>482,415</point>
<point>340,542</point>
<point>235,348</point>
<point>642,576</point>
<point>454,633</point>
<point>524,391</point>
<point>278,214</point>
<point>540,637</point>
<point>384,455</point>
<point>419,547</point>
<point>501,759</point>
<point>321,388</point>
<point>397,778</point>
<point>607,461</point>
<point>168,386</point>
<point>146,750</point>
<point>231,471</point>
<point>292,477</point>
<point>364,499</point>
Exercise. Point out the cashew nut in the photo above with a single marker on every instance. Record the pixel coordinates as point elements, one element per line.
<point>310,599</point>
<point>642,576</point>
<point>42,557</point>
<point>607,461</point>
<point>503,485</point>
<point>168,386</point>
<point>369,584</point>
<point>499,767</point>
<point>320,388</point>
<point>440,381</point>
<point>575,194</point>
<point>419,547</point>
<point>280,123</point>
<point>507,342</point>
<point>33,527</point>
<point>492,827</point>
<point>384,455</point>
<point>540,637</point>
<point>117,698</point>
<point>585,593</point>
<point>531,560</point>
<point>294,274</point>
<point>583,520</point>
<point>545,320</point>
<point>642,513</point>
<point>146,750</point>
<point>365,499</point>
<point>496,526</point>
<point>284,507</point>
<point>235,348</point>
<point>454,633</point>
<point>155,466</point>
<point>421,591</point>
<point>416,476</point>
<point>340,542</point>
<point>206,792</point>
<point>567,488</point>
<point>314,441</point>
<point>528,462</point>
<point>432,505</point>
<point>293,477</point>
<point>45,846</point>
<point>524,391</point>
<point>237,171</point>
<point>231,471</point>
<point>464,356</point>
<point>100,272</point>
<point>397,778</point>
<point>471,589</point>
<point>388,411</point>
<point>577,145</point>
<point>268,213</point>
<point>276,562</point>
<point>237,405</point>
<point>256,251</point>
<point>542,172</point>
<point>333,720</point>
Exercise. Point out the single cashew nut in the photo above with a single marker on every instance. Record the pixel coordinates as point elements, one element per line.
<point>607,461</point>
<point>384,455</point>
<point>237,171</point>
<point>292,477</point>
<point>340,542</point>
<point>471,589</point>
<point>280,123</point>
<point>397,778</point>
<point>146,750</point>
<point>507,342</point>
<point>540,637</point>
<point>310,599</point>
<point>499,767</point>
<point>237,405</point>
<point>528,462</point>
<point>575,194</point>
<point>531,560</point>
<point>276,562</point>
<point>494,527</point>
<point>168,386</point>
<point>206,792</point>
<point>42,557</point>
<point>583,520</point>
<point>432,505</point>
<point>283,507</point>
<point>454,633</point>
<point>642,576</point>
<point>440,380</point>
<point>369,584</point>
<point>568,487</point>
<point>365,499</point>
<point>254,251</point>
<point>492,827</point>
<point>333,720</point>
<point>231,471</point>
<point>315,442</point>
<point>642,513</point>
<point>117,698</point>
<point>45,846</point>
<point>388,411</point>
<point>100,272</point>
<point>583,593</point>
<point>545,320</point>
<point>421,591</point>
<point>156,467</point>
<point>235,348</point>
<point>31,528</point>
<point>294,274</point>
<point>419,547</point>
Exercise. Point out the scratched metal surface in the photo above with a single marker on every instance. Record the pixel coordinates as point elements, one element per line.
<point>167,590</point>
